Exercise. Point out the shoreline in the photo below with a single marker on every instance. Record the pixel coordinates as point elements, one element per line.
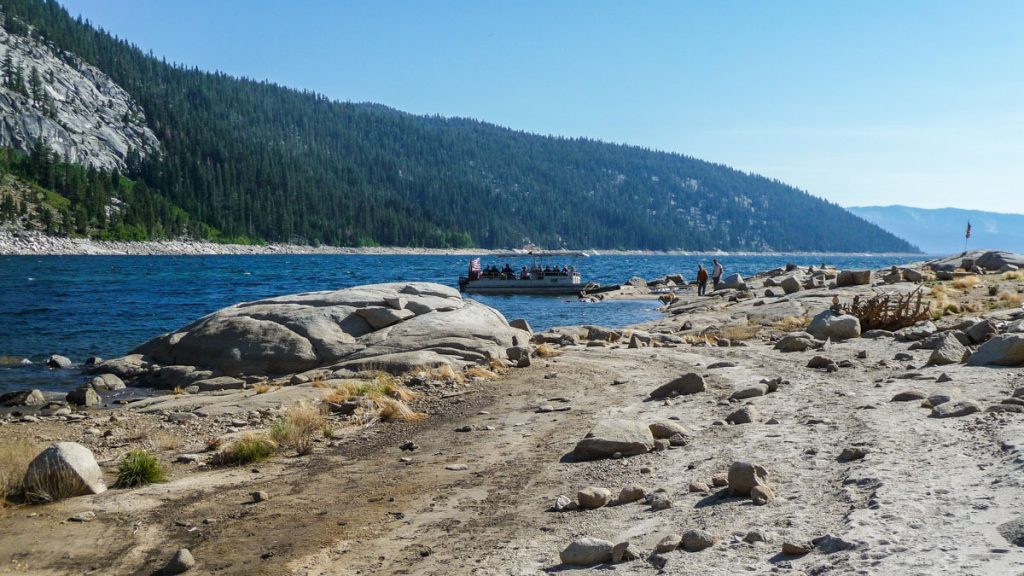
<point>35,244</point>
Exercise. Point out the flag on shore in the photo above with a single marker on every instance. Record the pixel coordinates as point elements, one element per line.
<point>474,265</point>
<point>968,234</point>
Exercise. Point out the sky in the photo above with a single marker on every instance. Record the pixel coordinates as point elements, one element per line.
<point>862,103</point>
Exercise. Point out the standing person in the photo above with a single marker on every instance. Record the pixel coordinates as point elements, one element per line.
<point>716,273</point>
<point>702,280</point>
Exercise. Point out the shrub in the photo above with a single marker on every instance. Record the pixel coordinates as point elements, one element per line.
<point>328,431</point>
<point>480,372</point>
<point>164,440</point>
<point>1010,298</point>
<point>251,447</point>
<point>298,428</point>
<point>138,468</point>
<point>1014,275</point>
<point>264,388</point>
<point>15,456</point>
<point>546,351</point>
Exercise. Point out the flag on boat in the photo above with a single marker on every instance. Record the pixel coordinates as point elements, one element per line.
<point>474,265</point>
<point>968,234</point>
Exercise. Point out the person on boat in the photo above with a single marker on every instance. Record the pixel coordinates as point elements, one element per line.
<point>565,270</point>
<point>547,270</point>
<point>716,273</point>
<point>702,280</point>
<point>507,273</point>
<point>524,274</point>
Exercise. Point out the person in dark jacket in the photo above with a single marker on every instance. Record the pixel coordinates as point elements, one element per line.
<point>702,280</point>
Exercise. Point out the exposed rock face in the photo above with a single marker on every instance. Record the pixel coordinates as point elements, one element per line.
<point>63,470</point>
<point>691,383</point>
<point>343,328</point>
<point>587,552</point>
<point>853,278</point>
<point>91,120</point>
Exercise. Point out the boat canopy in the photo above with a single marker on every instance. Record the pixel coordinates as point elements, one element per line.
<point>540,254</point>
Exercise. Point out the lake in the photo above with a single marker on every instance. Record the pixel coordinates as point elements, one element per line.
<point>80,306</point>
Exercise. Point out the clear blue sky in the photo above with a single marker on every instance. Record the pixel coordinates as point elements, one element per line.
<point>867,102</point>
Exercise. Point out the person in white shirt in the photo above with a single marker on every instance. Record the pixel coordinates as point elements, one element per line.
<point>716,273</point>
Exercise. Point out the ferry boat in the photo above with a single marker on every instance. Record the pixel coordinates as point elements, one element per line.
<point>540,277</point>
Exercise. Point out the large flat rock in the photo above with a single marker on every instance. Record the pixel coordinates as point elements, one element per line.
<point>354,327</point>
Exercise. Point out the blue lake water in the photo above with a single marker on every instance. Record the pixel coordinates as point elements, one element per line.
<point>81,306</point>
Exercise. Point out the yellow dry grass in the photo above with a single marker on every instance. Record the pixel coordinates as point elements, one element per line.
<point>15,456</point>
<point>740,331</point>
<point>387,395</point>
<point>1014,275</point>
<point>966,282</point>
<point>298,427</point>
<point>546,351</point>
<point>264,388</point>
<point>164,440</point>
<point>1011,298</point>
<point>480,372</point>
<point>792,323</point>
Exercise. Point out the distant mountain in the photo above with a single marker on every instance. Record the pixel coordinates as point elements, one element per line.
<point>941,231</point>
<point>243,160</point>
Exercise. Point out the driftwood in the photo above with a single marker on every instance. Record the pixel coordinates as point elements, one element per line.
<point>889,311</point>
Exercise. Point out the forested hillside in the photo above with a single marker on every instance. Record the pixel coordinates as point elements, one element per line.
<point>255,160</point>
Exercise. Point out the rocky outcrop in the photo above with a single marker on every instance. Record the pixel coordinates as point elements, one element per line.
<point>828,324</point>
<point>352,328</point>
<point>615,437</point>
<point>79,111</point>
<point>1004,350</point>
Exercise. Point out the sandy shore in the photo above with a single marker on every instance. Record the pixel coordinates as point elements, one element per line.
<point>36,244</point>
<point>926,496</point>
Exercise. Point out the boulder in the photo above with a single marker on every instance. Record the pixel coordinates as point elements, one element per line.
<point>853,278</point>
<point>733,282</point>
<point>58,361</point>
<point>950,351</point>
<point>625,551</point>
<point>220,383</point>
<point>791,284</point>
<point>829,325</point>
<point>521,324</point>
<point>668,544</point>
<point>106,382</point>
<point>63,470</point>
<point>743,477</point>
<point>690,383</point>
<point>667,429</point>
<point>912,275</point>
<point>762,495</point>
<point>980,331</point>
<point>128,367</point>
<point>352,328</point>
<point>749,392</point>
<point>955,409</point>
<point>745,415</point>
<point>84,396</point>
<point>798,342</point>
<point>181,562</point>
<point>697,540</point>
<point>632,493</point>
<point>909,396</point>
<point>610,437</point>
<point>876,333</point>
<point>587,551</point>
<point>918,331</point>
<point>637,282</point>
<point>593,497</point>
<point>1003,350</point>
<point>23,398</point>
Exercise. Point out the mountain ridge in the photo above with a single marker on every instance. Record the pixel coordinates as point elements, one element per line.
<point>942,230</point>
<point>256,160</point>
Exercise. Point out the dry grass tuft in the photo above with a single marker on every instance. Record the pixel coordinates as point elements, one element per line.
<point>1014,275</point>
<point>392,410</point>
<point>1011,299</point>
<point>178,391</point>
<point>264,388</point>
<point>164,440</point>
<point>792,323</point>
<point>318,381</point>
<point>480,372</point>
<point>497,366</point>
<point>546,351</point>
<point>213,444</point>
<point>966,282</point>
<point>740,331</point>
<point>298,427</point>
<point>15,456</point>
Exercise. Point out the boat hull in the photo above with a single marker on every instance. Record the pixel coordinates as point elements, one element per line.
<point>539,287</point>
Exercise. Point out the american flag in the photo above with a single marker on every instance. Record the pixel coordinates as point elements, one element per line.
<point>474,265</point>
<point>968,235</point>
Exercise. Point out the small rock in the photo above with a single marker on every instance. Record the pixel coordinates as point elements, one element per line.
<point>684,385</point>
<point>659,501</point>
<point>908,396</point>
<point>762,495</point>
<point>697,540</point>
<point>260,496</point>
<point>181,562</point>
<point>456,467</point>
<point>719,480</point>
<point>852,453</point>
<point>750,392</point>
<point>87,516</point>
<point>408,446</point>
<point>794,548</point>
<point>59,362</point>
<point>624,552</point>
<point>668,544</point>
<point>743,477</point>
<point>593,497</point>
<point>464,429</point>
<point>632,493</point>
<point>745,415</point>
<point>563,503</point>
<point>587,551</point>
<point>755,536</point>
<point>955,409</point>
<point>944,378</point>
<point>667,429</point>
